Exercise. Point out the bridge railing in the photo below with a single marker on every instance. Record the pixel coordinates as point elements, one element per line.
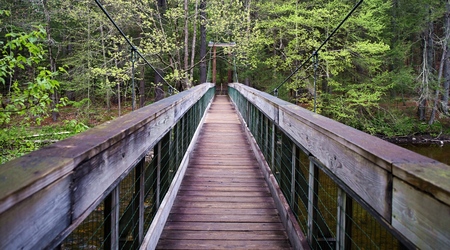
<point>101,188</point>
<point>347,189</point>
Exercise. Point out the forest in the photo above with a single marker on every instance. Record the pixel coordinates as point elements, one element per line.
<point>65,66</point>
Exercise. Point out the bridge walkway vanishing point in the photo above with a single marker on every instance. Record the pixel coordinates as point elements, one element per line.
<point>224,201</point>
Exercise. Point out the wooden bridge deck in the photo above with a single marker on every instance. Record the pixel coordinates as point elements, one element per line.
<point>223,202</point>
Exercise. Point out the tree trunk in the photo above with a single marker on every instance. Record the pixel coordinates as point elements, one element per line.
<point>107,87</point>
<point>249,23</point>
<point>444,58</point>
<point>445,94</point>
<point>446,84</point>
<point>427,69</point>
<point>438,85</point>
<point>194,40</point>
<point>187,83</point>
<point>203,45</point>
<point>162,4</point>
<point>51,58</point>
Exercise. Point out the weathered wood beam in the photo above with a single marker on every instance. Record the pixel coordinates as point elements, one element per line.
<point>44,195</point>
<point>382,174</point>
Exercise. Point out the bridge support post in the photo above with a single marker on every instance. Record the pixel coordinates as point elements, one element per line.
<point>266,137</point>
<point>111,215</point>
<point>344,229</point>
<point>138,213</point>
<point>273,147</point>
<point>293,175</point>
<point>158,174</point>
<point>312,203</point>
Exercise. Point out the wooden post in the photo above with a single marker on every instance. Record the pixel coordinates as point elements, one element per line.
<point>266,133</point>
<point>312,203</point>
<point>158,175</point>
<point>138,211</point>
<point>214,48</point>
<point>285,165</point>
<point>151,181</point>
<point>273,148</point>
<point>344,226</point>
<point>165,177</point>
<point>178,137</point>
<point>293,175</point>
<point>111,215</point>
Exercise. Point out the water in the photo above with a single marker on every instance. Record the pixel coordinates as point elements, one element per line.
<point>439,153</point>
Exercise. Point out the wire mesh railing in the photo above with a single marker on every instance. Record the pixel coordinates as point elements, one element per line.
<point>330,217</point>
<point>124,217</point>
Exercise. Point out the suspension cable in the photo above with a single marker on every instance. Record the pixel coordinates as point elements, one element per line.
<point>315,53</point>
<point>133,48</point>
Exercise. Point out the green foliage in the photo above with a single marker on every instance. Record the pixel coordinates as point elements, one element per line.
<point>75,126</point>
<point>19,140</point>
<point>352,63</point>
<point>31,99</point>
<point>396,123</point>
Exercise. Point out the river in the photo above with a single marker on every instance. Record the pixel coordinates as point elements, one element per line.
<point>440,153</point>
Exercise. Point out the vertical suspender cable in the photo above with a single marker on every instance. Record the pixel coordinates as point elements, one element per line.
<point>316,64</point>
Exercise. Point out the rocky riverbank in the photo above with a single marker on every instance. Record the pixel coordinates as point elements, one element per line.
<point>418,139</point>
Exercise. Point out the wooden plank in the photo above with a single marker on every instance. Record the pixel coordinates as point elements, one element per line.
<point>222,210</point>
<point>224,161</point>
<point>233,235</point>
<point>224,244</point>
<point>232,171</point>
<point>233,199</point>
<point>224,226</point>
<point>207,167</point>
<point>220,183</point>
<point>219,218</point>
<point>224,194</point>
<point>205,174</point>
<point>420,217</point>
<point>226,179</point>
<point>238,190</point>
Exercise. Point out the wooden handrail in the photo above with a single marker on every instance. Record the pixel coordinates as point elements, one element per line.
<point>410,192</point>
<point>46,194</point>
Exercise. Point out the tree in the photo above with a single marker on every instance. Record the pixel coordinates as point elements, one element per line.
<point>446,84</point>
<point>29,99</point>
<point>203,45</point>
